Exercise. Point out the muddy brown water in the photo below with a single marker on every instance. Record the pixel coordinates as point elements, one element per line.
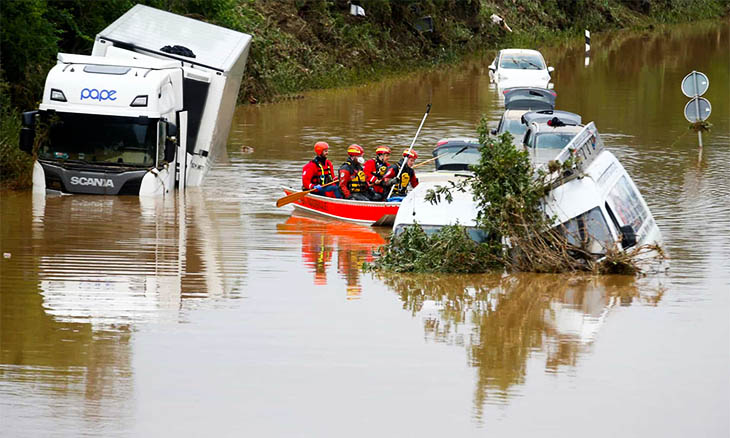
<point>218,314</point>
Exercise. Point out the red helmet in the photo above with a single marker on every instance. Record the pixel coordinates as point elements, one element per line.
<point>355,150</point>
<point>410,154</point>
<point>320,147</point>
<point>382,150</point>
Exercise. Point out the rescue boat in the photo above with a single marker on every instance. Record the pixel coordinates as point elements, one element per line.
<point>362,212</point>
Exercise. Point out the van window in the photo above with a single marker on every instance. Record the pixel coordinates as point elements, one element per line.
<point>589,231</point>
<point>627,205</point>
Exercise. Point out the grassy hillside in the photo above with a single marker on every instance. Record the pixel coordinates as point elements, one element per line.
<point>309,44</point>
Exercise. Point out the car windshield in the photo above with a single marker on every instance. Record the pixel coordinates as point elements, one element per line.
<point>522,61</point>
<point>515,127</point>
<point>457,157</point>
<point>552,140</point>
<point>588,231</point>
<point>476,234</point>
<point>97,139</point>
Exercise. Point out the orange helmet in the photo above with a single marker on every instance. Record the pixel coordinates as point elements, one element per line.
<point>382,150</point>
<point>355,150</point>
<point>320,147</point>
<point>410,154</point>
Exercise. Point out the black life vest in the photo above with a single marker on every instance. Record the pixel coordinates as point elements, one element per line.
<point>358,182</point>
<point>400,187</point>
<point>380,168</point>
<point>325,173</point>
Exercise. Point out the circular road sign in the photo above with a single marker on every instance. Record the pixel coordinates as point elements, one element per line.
<point>697,110</point>
<point>695,84</point>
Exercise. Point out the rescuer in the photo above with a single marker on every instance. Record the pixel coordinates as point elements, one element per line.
<point>353,183</point>
<point>375,170</point>
<point>319,172</point>
<point>407,175</point>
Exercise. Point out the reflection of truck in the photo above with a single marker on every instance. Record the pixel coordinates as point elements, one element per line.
<point>151,107</point>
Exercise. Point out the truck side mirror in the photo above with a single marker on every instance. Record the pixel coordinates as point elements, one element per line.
<point>171,130</point>
<point>27,132</point>
<point>27,138</point>
<point>170,146</point>
<point>550,69</point>
<point>628,236</point>
<point>28,119</point>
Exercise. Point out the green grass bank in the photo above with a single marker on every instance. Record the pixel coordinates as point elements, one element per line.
<point>302,45</point>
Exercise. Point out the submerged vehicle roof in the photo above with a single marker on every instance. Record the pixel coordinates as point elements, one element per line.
<point>150,30</point>
<point>529,98</point>
<point>456,153</point>
<point>544,115</point>
<point>415,209</point>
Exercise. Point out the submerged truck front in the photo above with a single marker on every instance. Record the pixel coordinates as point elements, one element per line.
<point>150,109</point>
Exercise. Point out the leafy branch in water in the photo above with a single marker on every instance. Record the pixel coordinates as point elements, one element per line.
<point>449,250</point>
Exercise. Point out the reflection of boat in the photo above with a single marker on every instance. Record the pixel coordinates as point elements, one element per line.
<point>362,212</point>
<point>321,239</point>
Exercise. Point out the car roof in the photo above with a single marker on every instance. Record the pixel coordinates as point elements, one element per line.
<point>451,141</point>
<point>545,115</point>
<point>533,98</point>
<point>518,51</point>
<point>543,127</point>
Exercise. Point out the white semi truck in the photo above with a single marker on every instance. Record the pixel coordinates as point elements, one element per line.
<point>149,110</point>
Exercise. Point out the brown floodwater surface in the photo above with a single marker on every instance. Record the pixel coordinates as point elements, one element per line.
<point>215,313</point>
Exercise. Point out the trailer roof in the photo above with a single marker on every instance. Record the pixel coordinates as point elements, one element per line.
<point>151,29</point>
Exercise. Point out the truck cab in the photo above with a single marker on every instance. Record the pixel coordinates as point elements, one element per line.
<point>139,115</point>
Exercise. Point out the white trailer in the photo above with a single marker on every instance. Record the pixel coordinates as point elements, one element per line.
<point>150,108</point>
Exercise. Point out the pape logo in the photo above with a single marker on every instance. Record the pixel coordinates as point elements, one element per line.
<point>96,182</point>
<point>99,95</point>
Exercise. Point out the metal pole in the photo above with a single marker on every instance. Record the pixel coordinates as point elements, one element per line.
<point>697,106</point>
<point>405,159</point>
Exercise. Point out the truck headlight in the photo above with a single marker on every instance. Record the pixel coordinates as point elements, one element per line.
<point>139,101</point>
<point>57,95</point>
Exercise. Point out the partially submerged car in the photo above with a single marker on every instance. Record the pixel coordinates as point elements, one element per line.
<point>456,154</point>
<point>595,202</point>
<point>520,68</point>
<point>517,102</point>
<point>546,135</point>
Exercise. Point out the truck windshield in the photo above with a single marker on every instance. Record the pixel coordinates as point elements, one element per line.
<point>97,139</point>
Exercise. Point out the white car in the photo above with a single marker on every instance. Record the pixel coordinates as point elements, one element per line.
<point>520,68</point>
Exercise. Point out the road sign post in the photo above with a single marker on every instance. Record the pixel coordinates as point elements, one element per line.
<point>698,109</point>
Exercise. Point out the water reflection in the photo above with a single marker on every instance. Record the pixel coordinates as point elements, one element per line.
<point>503,321</point>
<point>322,239</point>
<point>91,270</point>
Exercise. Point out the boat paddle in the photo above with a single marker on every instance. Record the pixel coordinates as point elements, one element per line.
<point>405,160</point>
<point>288,199</point>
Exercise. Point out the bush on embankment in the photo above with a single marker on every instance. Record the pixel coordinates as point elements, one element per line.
<point>309,44</point>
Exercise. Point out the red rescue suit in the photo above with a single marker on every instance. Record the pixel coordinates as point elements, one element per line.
<point>319,171</point>
<point>375,170</point>
<point>352,178</point>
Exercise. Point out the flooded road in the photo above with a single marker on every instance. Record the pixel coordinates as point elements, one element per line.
<point>215,313</point>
